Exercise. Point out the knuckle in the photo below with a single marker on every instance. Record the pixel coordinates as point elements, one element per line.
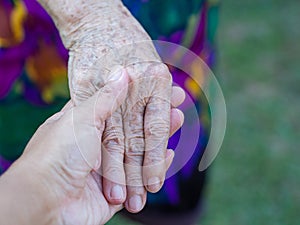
<point>134,158</point>
<point>136,143</point>
<point>159,107</point>
<point>133,115</point>
<point>134,179</point>
<point>113,139</point>
<point>158,128</point>
<point>160,70</point>
<point>114,143</point>
<point>136,136</point>
<point>135,151</point>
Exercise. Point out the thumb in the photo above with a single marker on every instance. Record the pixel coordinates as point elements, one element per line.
<point>89,117</point>
<point>104,102</point>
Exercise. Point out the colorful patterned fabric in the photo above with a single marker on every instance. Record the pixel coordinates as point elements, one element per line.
<point>30,45</point>
<point>33,69</point>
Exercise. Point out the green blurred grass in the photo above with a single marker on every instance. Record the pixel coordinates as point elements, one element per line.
<point>256,177</point>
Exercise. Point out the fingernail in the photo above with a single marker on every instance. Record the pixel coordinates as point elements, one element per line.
<point>154,184</point>
<point>116,192</point>
<point>117,74</point>
<point>135,203</point>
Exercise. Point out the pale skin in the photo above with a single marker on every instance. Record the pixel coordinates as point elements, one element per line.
<point>101,36</point>
<point>53,182</point>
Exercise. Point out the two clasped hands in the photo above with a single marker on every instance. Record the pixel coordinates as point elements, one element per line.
<point>66,176</point>
<point>107,147</point>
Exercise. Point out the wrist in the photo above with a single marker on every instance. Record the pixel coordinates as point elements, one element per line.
<point>24,200</point>
<point>101,23</point>
<point>82,21</point>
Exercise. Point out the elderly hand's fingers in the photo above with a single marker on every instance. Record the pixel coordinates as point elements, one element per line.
<point>177,119</point>
<point>177,97</point>
<point>114,187</point>
<point>136,192</point>
<point>169,158</point>
<point>134,154</point>
<point>157,130</point>
<point>113,150</point>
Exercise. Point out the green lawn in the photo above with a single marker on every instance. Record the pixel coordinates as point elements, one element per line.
<point>256,177</point>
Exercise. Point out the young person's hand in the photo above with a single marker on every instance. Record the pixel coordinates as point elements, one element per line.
<point>58,169</point>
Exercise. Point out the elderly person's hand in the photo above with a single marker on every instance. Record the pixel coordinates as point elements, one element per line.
<point>58,178</point>
<point>102,35</point>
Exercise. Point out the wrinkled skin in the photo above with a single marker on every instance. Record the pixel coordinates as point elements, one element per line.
<point>57,179</point>
<point>103,36</point>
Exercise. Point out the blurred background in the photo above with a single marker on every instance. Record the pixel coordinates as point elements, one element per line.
<point>255,179</point>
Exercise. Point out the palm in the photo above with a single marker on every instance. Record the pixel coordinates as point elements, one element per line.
<point>89,206</point>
